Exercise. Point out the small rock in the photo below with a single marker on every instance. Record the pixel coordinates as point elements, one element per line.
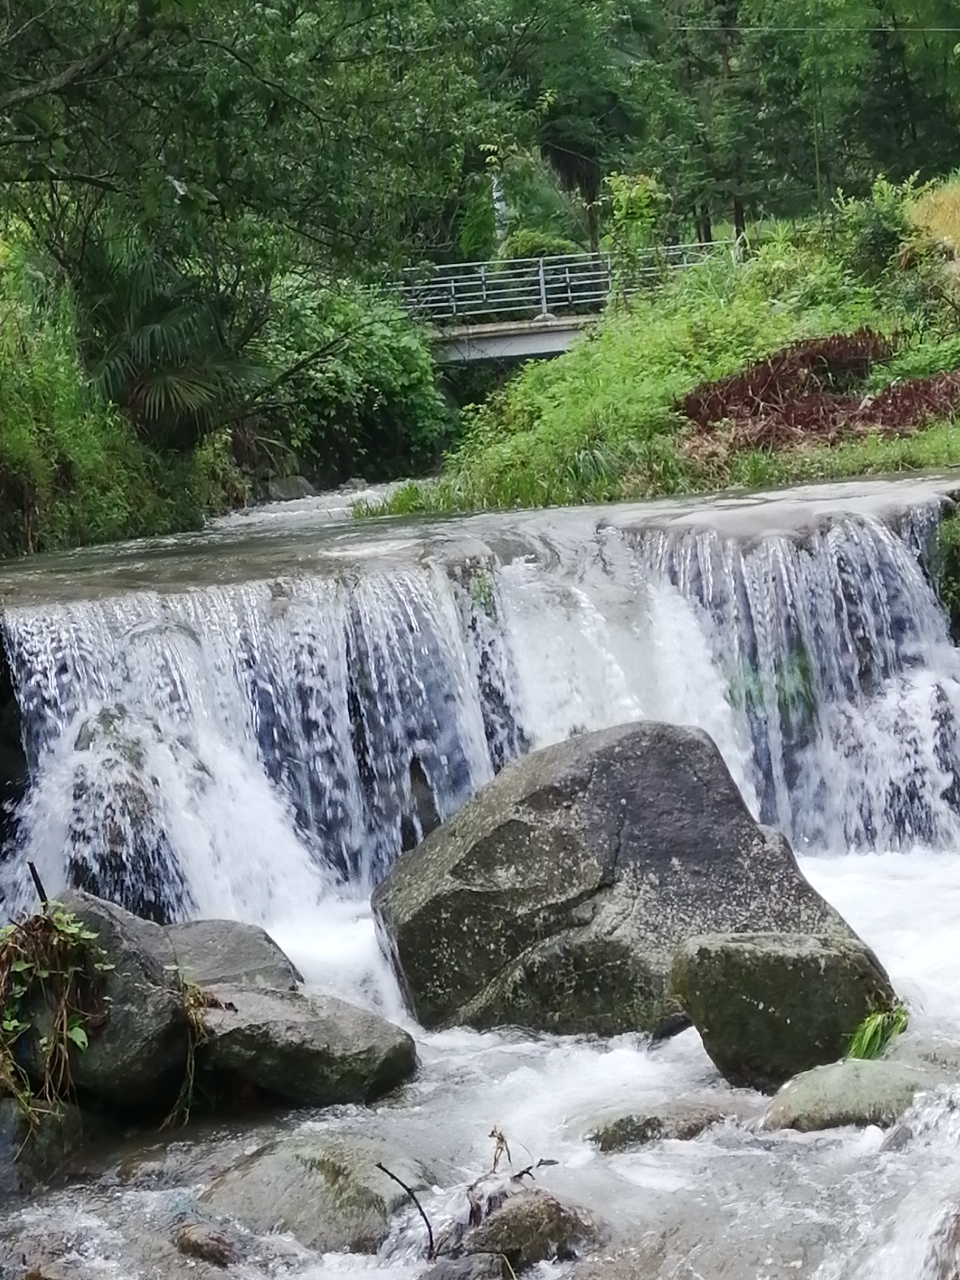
<point>325,1191</point>
<point>769,1006</point>
<point>533,1227</point>
<point>289,489</point>
<point>681,1124</point>
<point>854,1092</point>
<point>213,952</point>
<point>479,1266</point>
<point>314,1051</point>
<point>209,1244</point>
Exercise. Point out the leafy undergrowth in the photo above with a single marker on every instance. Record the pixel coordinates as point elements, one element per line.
<point>51,971</point>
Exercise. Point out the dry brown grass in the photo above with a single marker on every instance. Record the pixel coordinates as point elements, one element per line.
<point>937,211</point>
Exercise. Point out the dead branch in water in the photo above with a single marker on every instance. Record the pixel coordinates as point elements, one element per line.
<point>432,1253</point>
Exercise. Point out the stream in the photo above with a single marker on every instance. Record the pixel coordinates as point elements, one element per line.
<point>306,694</point>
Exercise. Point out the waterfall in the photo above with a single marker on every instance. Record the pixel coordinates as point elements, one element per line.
<point>242,748</point>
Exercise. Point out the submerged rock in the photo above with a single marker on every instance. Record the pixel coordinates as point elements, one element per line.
<point>673,1121</point>
<point>212,952</point>
<point>313,1051</point>
<point>479,1266</point>
<point>768,1006</point>
<point>326,1191</point>
<point>533,1227</point>
<point>118,848</point>
<point>558,896</point>
<point>854,1092</point>
<point>208,1244</point>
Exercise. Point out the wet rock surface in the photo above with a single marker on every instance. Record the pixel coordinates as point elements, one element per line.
<point>137,1055</point>
<point>312,1051</point>
<point>208,1244</point>
<point>326,1191</point>
<point>854,1092</point>
<point>676,1121</point>
<point>769,1006</point>
<point>533,1227</point>
<point>214,952</point>
<point>556,899</point>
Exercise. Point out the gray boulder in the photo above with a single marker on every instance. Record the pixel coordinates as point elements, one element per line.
<point>557,897</point>
<point>854,1092</point>
<point>768,1006</point>
<point>325,1190</point>
<point>33,1155</point>
<point>313,1051</point>
<point>213,952</point>
<point>137,1056</point>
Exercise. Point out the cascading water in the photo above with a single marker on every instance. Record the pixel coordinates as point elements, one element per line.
<point>262,744</point>
<point>838,656</point>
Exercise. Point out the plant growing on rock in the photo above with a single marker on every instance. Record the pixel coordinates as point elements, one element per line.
<point>876,1031</point>
<point>51,970</point>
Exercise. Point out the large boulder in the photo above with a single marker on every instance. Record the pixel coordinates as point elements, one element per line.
<point>137,1056</point>
<point>326,1190</point>
<point>213,952</point>
<point>313,1051</point>
<point>855,1092</point>
<point>557,897</point>
<point>768,1006</point>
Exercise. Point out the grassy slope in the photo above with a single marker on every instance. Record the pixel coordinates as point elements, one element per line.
<point>598,424</point>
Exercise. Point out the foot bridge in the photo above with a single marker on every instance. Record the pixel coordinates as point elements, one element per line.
<point>531,308</point>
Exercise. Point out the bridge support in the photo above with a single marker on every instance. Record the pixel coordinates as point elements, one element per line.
<point>517,340</point>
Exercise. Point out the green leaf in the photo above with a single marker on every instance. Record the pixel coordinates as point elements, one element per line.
<point>78,1036</point>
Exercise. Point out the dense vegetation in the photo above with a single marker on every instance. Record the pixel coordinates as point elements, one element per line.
<point>819,356</point>
<point>199,205</point>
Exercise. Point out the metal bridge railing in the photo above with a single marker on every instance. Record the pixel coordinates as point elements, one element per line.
<point>470,292</point>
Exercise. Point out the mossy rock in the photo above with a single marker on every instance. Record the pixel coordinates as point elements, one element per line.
<point>856,1092</point>
<point>325,1190</point>
<point>769,1006</point>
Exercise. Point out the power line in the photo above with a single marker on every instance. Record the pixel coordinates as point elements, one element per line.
<point>822,30</point>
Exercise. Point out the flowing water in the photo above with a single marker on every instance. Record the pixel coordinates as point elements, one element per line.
<point>253,722</point>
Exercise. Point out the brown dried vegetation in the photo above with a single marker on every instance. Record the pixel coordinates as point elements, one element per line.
<point>807,394</point>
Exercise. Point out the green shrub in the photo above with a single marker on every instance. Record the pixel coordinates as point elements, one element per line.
<point>529,242</point>
<point>368,403</point>
<point>868,234</point>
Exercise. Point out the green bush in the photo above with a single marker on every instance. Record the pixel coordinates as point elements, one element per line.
<point>72,468</point>
<point>529,242</point>
<point>868,234</point>
<point>367,403</point>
